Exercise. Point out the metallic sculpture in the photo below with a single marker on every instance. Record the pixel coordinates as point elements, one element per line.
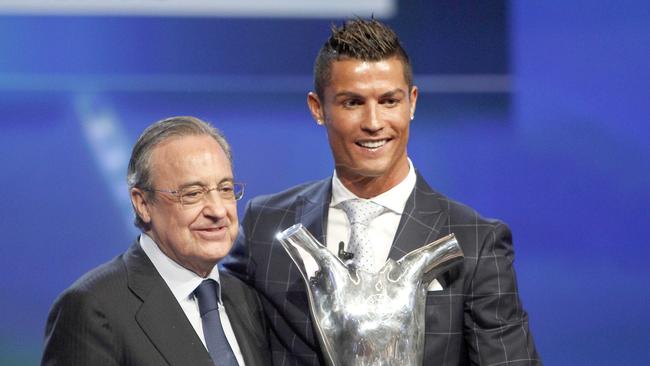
<point>369,319</point>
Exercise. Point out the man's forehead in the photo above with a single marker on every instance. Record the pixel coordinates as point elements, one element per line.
<point>363,65</point>
<point>351,73</point>
<point>186,145</point>
<point>196,156</point>
<point>358,61</point>
<point>359,65</point>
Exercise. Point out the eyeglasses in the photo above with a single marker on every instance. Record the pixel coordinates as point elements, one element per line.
<point>228,191</point>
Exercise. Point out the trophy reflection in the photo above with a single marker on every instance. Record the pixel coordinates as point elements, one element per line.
<point>369,319</point>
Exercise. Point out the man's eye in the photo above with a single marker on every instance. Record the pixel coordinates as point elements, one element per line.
<point>351,102</point>
<point>226,188</point>
<point>390,102</point>
<point>193,193</point>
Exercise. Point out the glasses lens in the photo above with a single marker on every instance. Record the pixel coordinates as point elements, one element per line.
<point>239,190</point>
<point>191,195</point>
<point>230,191</point>
<point>227,191</point>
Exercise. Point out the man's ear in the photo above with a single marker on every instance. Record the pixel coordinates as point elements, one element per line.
<point>140,204</point>
<point>413,98</point>
<point>315,107</point>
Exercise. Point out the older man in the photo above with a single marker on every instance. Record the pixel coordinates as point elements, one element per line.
<point>365,99</point>
<point>164,302</point>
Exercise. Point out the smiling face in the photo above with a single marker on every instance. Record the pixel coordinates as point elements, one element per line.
<point>195,236</point>
<point>366,108</point>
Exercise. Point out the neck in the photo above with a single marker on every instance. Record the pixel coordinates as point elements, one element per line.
<point>202,269</point>
<point>369,186</point>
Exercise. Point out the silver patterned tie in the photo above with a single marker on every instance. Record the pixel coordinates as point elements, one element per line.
<point>360,213</point>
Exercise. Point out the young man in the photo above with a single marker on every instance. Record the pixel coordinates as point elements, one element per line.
<point>164,302</point>
<point>365,99</point>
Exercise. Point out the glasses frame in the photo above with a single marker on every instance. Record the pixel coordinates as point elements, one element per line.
<point>238,193</point>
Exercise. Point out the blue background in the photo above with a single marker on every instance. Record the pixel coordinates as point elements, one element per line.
<point>556,144</point>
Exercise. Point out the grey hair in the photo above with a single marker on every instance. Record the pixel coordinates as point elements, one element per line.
<point>139,170</point>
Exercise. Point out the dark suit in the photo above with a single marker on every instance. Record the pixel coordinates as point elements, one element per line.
<point>123,313</point>
<point>476,319</point>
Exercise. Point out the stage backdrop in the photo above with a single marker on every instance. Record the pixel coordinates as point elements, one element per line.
<point>535,114</point>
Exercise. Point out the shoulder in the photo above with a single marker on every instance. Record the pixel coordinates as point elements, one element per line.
<point>80,325</point>
<point>235,288</point>
<point>100,279</point>
<point>89,297</point>
<point>96,287</point>
<point>458,213</point>
<point>285,199</point>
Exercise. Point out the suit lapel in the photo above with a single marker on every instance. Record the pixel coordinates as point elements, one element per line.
<point>249,337</point>
<point>312,209</point>
<point>160,316</point>
<point>421,221</point>
<point>420,224</point>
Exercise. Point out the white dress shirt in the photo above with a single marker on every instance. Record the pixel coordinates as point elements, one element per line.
<point>382,229</point>
<point>182,283</point>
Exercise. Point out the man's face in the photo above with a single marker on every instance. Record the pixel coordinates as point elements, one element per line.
<point>195,236</point>
<point>366,108</point>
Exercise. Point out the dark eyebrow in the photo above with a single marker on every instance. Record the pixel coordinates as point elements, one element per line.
<point>393,93</point>
<point>347,94</point>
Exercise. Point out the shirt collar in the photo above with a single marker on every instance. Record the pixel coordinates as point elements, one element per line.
<point>394,199</point>
<point>180,280</point>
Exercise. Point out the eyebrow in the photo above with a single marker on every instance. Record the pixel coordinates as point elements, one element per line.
<point>389,93</point>
<point>393,93</point>
<point>347,94</point>
<point>201,183</point>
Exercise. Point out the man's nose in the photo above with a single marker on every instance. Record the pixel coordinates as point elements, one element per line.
<point>372,120</point>
<point>213,204</point>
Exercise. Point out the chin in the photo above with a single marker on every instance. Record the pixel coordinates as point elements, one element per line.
<point>378,167</point>
<point>371,171</point>
<point>216,250</point>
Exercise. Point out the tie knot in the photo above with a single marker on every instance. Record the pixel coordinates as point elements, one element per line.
<point>207,294</point>
<point>361,211</point>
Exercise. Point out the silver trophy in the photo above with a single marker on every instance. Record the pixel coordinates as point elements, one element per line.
<point>369,319</point>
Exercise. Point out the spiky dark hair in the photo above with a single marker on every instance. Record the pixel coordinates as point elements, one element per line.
<point>360,39</point>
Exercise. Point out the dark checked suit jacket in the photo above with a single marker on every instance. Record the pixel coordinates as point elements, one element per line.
<point>477,319</point>
<point>123,313</point>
